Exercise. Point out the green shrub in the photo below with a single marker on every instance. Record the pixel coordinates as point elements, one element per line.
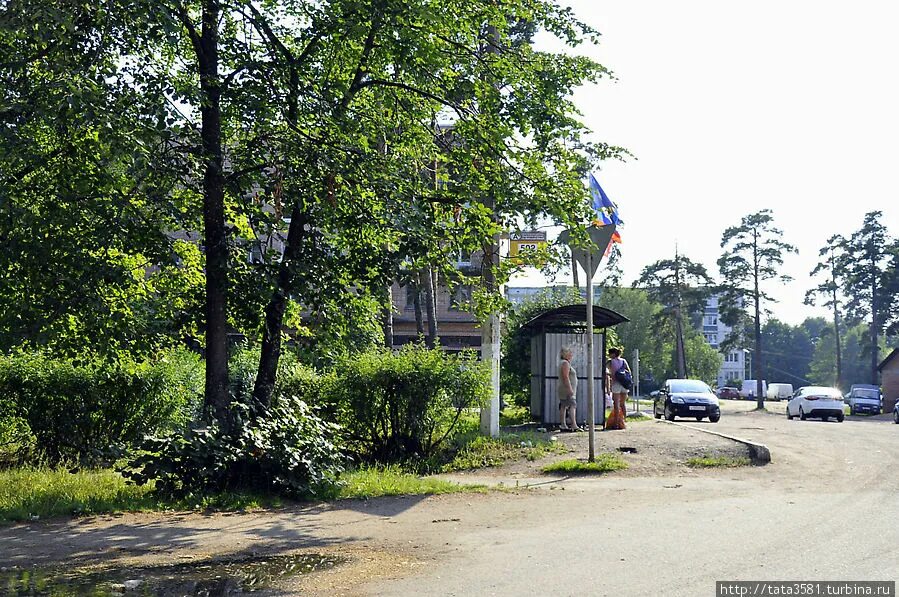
<point>399,406</point>
<point>294,378</point>
<point>285,450</point>
<point>89,409</point>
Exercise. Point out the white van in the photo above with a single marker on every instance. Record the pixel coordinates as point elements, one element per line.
<point>779,391</point>
<point>749,389</point>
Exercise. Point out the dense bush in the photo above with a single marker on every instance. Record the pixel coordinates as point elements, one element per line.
<point>285,449</point>
<point>397,406</point>
<point>86,410</point>
<point>294,378</point>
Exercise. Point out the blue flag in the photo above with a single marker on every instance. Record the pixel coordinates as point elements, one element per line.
<point>607,211</point>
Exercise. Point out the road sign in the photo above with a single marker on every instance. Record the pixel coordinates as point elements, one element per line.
<point>526,240</point>
<point>601,237</point>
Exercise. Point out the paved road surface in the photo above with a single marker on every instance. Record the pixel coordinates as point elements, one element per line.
<point>826,508</point>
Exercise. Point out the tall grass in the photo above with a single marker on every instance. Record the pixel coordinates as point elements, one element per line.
<point>29,493</point>
<point>39,493</point>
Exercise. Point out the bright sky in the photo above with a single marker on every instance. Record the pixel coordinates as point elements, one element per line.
<point>731,107</point>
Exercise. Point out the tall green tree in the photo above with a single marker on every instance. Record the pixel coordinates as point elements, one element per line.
<point>682,287</point>
<point>830,268</point>
<point>753,254</point>
<point>788,352</point>
<point>297,135</point>
<point>86,191</point>
<point>868,265</point>
<point>640,332</point>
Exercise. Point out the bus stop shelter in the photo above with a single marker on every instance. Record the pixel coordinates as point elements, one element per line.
<point>558,328</point>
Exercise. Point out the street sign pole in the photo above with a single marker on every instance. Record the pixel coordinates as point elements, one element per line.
<point>636,379</point>
<point>590,389</point>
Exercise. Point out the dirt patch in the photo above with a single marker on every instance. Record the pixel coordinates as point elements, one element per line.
<point>650,448</point>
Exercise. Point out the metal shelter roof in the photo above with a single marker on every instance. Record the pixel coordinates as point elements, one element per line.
<point>574,317</point>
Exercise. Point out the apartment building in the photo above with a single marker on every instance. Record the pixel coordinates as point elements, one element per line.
<point>733,369</point>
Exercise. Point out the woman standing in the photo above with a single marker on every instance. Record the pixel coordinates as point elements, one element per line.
<point>619,392</point>
<point>567,391</point>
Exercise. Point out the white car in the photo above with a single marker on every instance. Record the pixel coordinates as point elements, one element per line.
<point>816,401</point>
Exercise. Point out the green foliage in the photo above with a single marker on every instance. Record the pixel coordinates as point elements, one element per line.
<point>703,361</point>
<point>869,265</point>
<point>287,450</point>
<point>371,482</point>
<point>788,352</point>
<point>855,357</point>
<point>44,493</point>
<point>471,450</point>
<point>641,333</point>
<point>604,463</point>
<point>89,409</point>
<point>717,461</point>
<point>514,415</point>
<point>398,406</point>
<point>681,287</point>
<point>753,255</point>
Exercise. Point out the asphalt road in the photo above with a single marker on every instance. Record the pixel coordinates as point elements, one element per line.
<point>826,508</point>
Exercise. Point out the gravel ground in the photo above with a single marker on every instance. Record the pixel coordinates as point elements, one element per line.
<point>649,447</point>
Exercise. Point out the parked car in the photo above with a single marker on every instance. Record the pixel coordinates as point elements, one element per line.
<point>896,414</point>
<point>864,398</point>
<point>729,393</point>
<point>779,391</point>
<point>686,398</point>
<point>816,401</point>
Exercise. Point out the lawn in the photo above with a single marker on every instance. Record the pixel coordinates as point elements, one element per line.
<point>36,493</point>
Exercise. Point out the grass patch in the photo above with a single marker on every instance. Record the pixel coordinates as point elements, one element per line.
<point>26,493</point>
<point>374,482</point>
<point>46,493</point>
<point>717,461</point>
<point>473,451</point>
<point>29,492</point>
<point>604,463</point>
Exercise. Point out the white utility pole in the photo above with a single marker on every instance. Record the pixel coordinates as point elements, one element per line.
<point>590,384</point>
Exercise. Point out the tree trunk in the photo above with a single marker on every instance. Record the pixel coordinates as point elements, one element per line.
<point>416,304</point>
<point>430,305</point>
<point>574,271</point>
<point>836,331</point>
<point>270,353</point>
<point>388,317</point>
<point>874,321</point>
<point>679,353</point>
<point>757,360</point>
<point>216,399</point>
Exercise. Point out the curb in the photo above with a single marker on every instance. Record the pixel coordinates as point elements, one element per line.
<point>759,454</point>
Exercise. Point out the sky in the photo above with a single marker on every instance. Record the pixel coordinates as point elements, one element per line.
<point>733,107</point>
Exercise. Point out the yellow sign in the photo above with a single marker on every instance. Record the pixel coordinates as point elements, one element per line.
<point>520,246</point>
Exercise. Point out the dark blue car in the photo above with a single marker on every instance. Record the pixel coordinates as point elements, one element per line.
<point>686,398</point>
